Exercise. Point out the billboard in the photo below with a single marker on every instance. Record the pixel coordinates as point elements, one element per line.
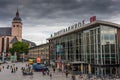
<point>59,49</point>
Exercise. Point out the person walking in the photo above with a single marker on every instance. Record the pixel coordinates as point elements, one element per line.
<point>66,73</point>
<point>43,72</point>
<point>50,75</point>
<point>0,69</point>
<point>73,77</point>
<point>54,69</point>
<point>3,67</point>
<point>7,66</point>
<point>48,71</point>
<point>12,70</point>
<point>16,68</point>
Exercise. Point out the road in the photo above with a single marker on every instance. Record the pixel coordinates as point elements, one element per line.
<point>6,74</point>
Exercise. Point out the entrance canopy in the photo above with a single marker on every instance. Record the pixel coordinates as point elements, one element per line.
<point>77,62</point>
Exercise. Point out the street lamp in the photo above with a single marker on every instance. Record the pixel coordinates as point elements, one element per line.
<point>23,57</point>
<point>3,58</point>
<point>3,48</point>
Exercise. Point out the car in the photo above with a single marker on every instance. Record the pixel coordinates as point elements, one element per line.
<point>39,67</point>
<point>30,61</point>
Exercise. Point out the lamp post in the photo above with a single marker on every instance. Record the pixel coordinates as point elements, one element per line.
<point>46,60</point>
<point>3,48</point>
<point>3,58</point>
<point>23,57</point>
<point>15,57</point>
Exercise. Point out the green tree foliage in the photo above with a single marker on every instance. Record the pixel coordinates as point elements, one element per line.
<point>19,47</point>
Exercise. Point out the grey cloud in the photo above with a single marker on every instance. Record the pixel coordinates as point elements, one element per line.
<point>37,13</point>
<point>45,8</point>
<point>54,11</point>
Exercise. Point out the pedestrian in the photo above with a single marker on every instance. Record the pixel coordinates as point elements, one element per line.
<point>11,67</point>
<point>22,68</point>
<point>50,75</point>
<point>48,72</point>
<point>12,70</point>
<point>16,68</point>
<point>66,73</point>
<point>25,65</point>
<point>43,72</point>
<point>29,68</point>
<point>54,69</point>
<point>73,77</point>
<point>0,69</point>
<point>13,64</point>
<point>7,66</point>
<point>3,67</point>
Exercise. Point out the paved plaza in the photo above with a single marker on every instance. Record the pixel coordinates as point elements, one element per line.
<point>6,74</point>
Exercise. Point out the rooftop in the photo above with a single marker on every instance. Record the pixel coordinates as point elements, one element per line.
<point>80,26</point>
<point>5,31</point>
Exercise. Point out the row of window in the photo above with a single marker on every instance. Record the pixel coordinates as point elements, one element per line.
<point>16,25</point>
<point>101,40</point>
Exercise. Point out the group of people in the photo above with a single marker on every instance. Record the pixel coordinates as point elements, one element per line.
<point>13,68</point>
<point>27,70</point>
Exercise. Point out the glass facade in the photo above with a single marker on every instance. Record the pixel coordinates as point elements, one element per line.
<point>97,46</point>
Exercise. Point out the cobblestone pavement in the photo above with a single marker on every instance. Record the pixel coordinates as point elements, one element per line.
<point>6,74</point>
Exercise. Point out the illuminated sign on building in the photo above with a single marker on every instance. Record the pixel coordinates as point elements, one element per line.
<point>92,19</point>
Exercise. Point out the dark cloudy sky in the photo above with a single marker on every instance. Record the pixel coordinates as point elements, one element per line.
<point>42,17</point>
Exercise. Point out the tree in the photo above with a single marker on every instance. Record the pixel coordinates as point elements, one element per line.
<point>19,48</point>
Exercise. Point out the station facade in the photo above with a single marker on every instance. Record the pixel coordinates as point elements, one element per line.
<point>93,46</point>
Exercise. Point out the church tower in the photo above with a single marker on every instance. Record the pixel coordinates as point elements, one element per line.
<point>17,27</point>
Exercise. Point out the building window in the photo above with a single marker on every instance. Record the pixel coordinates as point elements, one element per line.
<point>2,44</point>
<point>109,44</point>
<point>7,45</point>
<point>13,25</point>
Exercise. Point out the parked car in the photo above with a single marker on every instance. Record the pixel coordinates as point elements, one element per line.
<point>30,61</point>
<point>39,67</point>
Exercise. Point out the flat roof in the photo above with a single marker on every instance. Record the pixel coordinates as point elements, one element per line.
<point>41,45</point>
<point>87,26</point>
